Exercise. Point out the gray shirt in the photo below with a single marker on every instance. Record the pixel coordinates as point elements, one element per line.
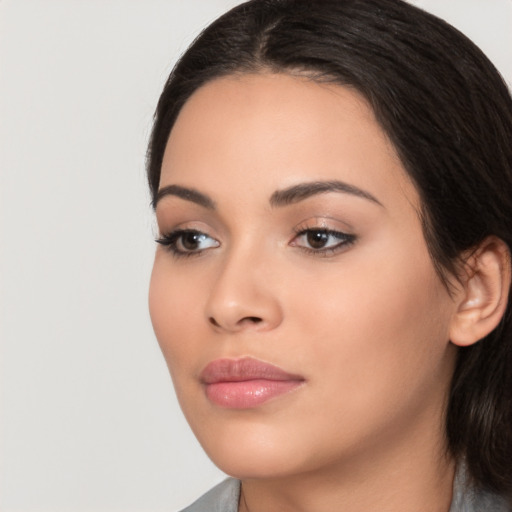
<point>224,498</point>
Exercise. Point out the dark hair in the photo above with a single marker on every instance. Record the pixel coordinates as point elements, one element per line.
<point>449,115</point>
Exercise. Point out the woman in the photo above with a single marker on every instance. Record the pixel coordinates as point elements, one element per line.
<point>332,182</point>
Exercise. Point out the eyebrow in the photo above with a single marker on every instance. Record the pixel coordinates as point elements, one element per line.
<point>189,194</point>
<point>287,196</point>
<point>302,191</point>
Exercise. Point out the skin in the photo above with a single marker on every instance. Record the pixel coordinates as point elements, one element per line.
<point>367,324</point>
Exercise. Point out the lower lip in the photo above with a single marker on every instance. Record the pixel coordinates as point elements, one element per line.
<point>249,393</point>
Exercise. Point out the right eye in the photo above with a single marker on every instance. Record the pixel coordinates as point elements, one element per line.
<point>187,242</point>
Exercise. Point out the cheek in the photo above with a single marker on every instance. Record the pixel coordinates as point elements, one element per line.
<point>173,311</point>
<point>378,330</point>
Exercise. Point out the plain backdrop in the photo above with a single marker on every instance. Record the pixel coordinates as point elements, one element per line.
<point>88,418</point>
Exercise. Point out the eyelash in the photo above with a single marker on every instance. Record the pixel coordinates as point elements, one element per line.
<point>172,240</point>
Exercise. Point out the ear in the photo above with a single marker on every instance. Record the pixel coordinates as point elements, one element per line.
<point>483,298</point>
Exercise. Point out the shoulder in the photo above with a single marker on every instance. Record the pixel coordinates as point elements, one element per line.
<point>467,498</point>
<point>222,498</point>
<point>480,501</point>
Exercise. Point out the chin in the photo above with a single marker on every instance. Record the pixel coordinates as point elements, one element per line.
<point>251,451</point>
<point>255,464</point>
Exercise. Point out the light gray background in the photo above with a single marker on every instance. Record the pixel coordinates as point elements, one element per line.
<point>88,419</point>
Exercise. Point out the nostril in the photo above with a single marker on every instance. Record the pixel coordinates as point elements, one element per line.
<point>213,321</point>
<point>241,322</point>
<point>253,319</point>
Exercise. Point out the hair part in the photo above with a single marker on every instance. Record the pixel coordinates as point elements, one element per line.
<point>448,113</point>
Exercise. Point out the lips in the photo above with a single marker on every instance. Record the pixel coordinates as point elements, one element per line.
<point>246,383</point>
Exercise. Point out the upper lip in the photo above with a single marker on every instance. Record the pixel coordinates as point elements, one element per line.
<point>244,369</point>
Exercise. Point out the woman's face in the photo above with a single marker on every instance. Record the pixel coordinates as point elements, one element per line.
<point>293,295</point>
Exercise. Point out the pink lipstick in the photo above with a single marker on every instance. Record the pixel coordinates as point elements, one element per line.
<point>246,383</point>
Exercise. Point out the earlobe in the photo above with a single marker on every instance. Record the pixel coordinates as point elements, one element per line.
<point>484,294</point>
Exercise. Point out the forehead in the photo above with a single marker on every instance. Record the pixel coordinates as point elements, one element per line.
<point>269,131</point>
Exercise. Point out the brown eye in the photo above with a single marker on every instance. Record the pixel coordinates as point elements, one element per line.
<point>191,240</point>
<point>184,242</point>
<point>317,239</point>
<point>322,241</point>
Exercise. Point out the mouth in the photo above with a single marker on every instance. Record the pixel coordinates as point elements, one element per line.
<point>246,383</point>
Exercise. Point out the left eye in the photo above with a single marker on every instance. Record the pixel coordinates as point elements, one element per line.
<point>322,239</point>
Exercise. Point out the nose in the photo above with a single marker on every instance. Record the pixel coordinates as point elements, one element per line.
<point>243,297</point>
